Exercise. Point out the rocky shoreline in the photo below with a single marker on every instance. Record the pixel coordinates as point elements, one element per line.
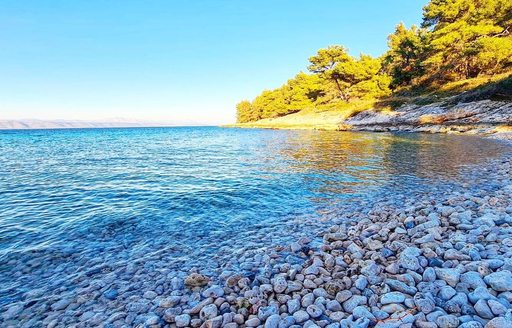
<point>485,117</point>
<point>437,259</point>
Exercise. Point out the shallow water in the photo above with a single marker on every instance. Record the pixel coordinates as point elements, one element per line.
<point>184,197</point>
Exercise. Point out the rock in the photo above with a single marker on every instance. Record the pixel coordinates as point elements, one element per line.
<point>350,304</point>
<point>314,311</point>
<point>451,276</point>
<point>152,319</point>
<point>196,280</point>
<point>182,320</point>
<point>392,297</point>
<point>266,311</point>
<point>500,322</point>
<point>496,307</point>
<point>400,286</point>
<point>374,245</point>
<point>170,301</point>
<point>61,304</point>
<point>214,322</point>
<point>447,321</point>
<point>333,306</point>
<point>362,312</point>
<point>279,284</point>
<point>334,286</point>
<point>361,283</point>
<point>483,310</point>
<point>471,324</point>
<point>208,312</point>
<point>392,308</point>
<point>300,316</point>
<point>472,279</point>
<point>295,247</point>
<point>293,305</point>
<point>195,323</point>
<point>111,294</point>
<point>424,304</point>
<point>170,314</point>
<point>254,322</point>
<point>446,293</point>
<point>343,295</point>
<point>429,274</point>
<point>213,291</point>
<point>272,321</point>
<point>197,308</point>
<point>480,293</point>
<point>500,281</point>
<point>453,254</point>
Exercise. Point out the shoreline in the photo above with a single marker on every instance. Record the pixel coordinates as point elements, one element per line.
<point>438,259</point>
<point>484,118</point>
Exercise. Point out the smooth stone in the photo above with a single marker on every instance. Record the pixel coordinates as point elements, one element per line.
<point>496,307</point>
<point>300,316</point>
<point>254,322</point>
<point>314,311</point>
<point>61,304</point>
<point>362,312</point>
<point>356,300</point>
<point>447,321</point>
<point>213,291</point>
<point>208,312</point>
<point>272,321</point>
<point>451,276</point>
<point>279,284</point>
<point>333,306</point>
<point>293,305</point>
<point>500,281</point>
<point>111,294</point>
<point>266,311</point>
<point>182,320</point>
<point>483,310</point>
<point>392,297</point>
<point>500,322</point>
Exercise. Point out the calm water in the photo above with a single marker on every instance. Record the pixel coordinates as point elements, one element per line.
<point>192,194</point>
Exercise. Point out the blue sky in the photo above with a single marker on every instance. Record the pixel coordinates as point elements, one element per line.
<point>182,61</point>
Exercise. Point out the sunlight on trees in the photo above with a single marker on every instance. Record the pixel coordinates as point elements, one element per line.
<point>458,39</point>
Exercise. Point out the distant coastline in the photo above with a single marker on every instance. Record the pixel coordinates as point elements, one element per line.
<point>32,124</point>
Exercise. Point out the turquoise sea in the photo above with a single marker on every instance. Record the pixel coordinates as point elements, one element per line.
<point>88,201</point>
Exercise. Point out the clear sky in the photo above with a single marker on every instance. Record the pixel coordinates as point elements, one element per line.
<point>172,60</point>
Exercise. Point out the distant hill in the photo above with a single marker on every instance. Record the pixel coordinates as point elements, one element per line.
<point>67,124</point>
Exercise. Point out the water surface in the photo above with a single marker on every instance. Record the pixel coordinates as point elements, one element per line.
<point>184,197</point>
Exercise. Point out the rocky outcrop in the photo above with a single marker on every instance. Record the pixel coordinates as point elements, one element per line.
<point>480,117</point>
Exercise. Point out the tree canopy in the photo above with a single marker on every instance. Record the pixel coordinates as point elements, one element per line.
<point>458,39</point>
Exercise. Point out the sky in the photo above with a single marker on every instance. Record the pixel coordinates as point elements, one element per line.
<point>172,61</point>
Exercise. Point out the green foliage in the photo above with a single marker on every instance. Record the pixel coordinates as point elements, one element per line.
<point>468,37</point>
<point>404,59</point>
<point>346,76</point>
<point>459,39</point>
<point>244,112</point>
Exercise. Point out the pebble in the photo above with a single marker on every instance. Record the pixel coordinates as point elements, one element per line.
<point>500,281</point>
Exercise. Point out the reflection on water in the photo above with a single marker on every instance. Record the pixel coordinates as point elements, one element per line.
<point>188,191</point>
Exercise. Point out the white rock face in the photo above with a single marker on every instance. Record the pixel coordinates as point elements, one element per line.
<point>478,117</point>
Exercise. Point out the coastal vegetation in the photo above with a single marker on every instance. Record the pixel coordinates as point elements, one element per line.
<point>461,45</point>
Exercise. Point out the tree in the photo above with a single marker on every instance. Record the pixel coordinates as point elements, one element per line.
<point>326,63</point>
<point>244,112</point>
<point>461,31</point>
<point>351,76</point>
<point>404,59</point>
